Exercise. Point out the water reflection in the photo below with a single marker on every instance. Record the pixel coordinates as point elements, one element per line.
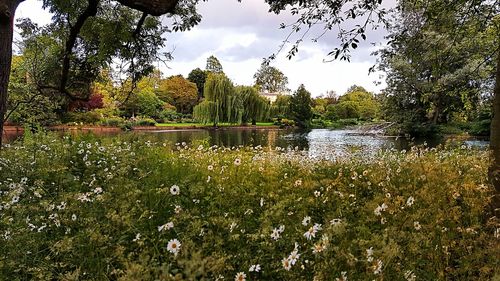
<point>316,142</point>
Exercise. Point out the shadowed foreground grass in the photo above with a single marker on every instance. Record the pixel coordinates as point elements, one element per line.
<point>91,209</point>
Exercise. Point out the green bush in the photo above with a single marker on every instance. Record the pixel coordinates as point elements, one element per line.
<point>112,121</point>
<point>87,118</point>
<point>101,209</point>
<point>480,128</point>
<point>142,121</point>
<point>283,122</point>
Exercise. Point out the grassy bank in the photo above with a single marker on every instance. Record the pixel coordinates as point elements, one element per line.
<point>91,209</point>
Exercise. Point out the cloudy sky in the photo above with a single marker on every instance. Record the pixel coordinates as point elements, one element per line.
<point>240,35</point>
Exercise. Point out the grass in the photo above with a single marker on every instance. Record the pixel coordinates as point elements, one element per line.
<point>97,209</point>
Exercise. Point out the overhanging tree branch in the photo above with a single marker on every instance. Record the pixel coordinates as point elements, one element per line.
<point>90,11</point>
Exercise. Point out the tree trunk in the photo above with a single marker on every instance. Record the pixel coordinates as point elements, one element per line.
<point>495,143</point>
<point>7,11</point>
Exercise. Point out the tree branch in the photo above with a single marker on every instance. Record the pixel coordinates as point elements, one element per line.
<point>90,11</point>
<point>152,7</point>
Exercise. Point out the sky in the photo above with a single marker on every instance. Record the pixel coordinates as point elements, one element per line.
<point>240,35</point>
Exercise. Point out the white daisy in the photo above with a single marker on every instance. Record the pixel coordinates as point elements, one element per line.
<point>306,220</point>
<point>237,161</point>
<point>166,226</point>
<point>417,225</point>
<point>174,246</point>
<point>255,268</point>
<point>286,263</point>
<point>410,201</point>
<point>335,222</point>
<point>377,268</point>
<point>293,257</point>
<point>275,235</point>
<point>175,190</point>
<point>240,276</point>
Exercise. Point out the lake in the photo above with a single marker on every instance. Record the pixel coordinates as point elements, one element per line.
<point>316,142</point>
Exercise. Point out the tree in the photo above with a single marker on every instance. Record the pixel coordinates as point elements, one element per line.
<point>221,104</point>
<point>300,107</point>
<point>179,92</point>
<point>449,77</point>
<point>356,103</point>
<point>213,65</point>
<point>198,77</point>
<point>270,79</point>
<point>81,46</point>
<point>281,107</point>
<point>255,107</point>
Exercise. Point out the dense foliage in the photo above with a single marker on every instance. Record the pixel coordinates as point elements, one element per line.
<point>300,107</point>
<point>439,63</point>
<point>355,104</point>
<point>270,79</point>
<point>94,209</point>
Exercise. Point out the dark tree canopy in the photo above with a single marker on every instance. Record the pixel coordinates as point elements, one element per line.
<point>198,77</point>
<point>300,107</point>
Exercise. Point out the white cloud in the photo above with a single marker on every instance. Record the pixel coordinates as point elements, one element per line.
<point>241,35</point>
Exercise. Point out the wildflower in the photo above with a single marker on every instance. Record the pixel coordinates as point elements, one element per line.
<point>275,234</point>
<point>410,201</point>
<point>410,276</point>
<point>378,211</point>
<point>318,248</point>
<point>336,222</point>
<point>383,220</point>
<point>369,254</point>
<point>286,263</point>
<point>240,276</point>
<point>168,225</point>
<point>298,183</point>
<point>177,209</point>
<point>137,237</point>
<point>175,190</point>
<point>377,268</point>
<point>306,220</point>
<point>210,167</point>
<point>293,257</point>
<point>174,246</point>
<point>311,233</point>
<point>232,226</point>
<point>254,268</point>
<point>317,193</point>
<point>98,190</point>
<point>237,161</point>
<point>417,225</point>
<point>343,276</point>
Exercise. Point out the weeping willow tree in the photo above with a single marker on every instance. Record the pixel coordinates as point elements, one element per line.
<point>255,107</point>
<point>221,103</point>
<point>281,107</point>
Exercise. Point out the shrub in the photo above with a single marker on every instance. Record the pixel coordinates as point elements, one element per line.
<point>112,121</point>
<point>89,117</point>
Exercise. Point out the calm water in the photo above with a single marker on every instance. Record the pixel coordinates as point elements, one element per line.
<point>315,142</point>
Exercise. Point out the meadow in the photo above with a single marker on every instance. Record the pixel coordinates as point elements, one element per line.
<point>84,208</point>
